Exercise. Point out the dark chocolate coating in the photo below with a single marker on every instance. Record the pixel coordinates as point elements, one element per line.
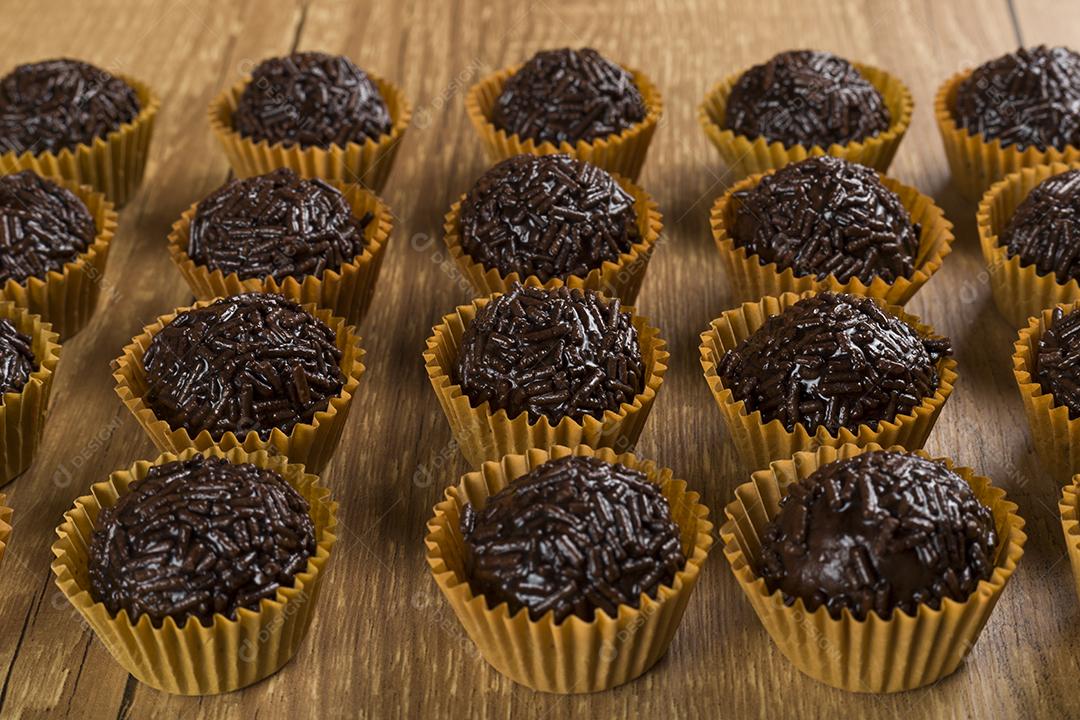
<point>1045,229</point>
<point>251,362</point>
<point>878,531</point>
<point>1030,97</point>
<point>276,225</point>
<point>42,227</point>
<point>56,104</point>
<point>551,216</point>
<point>1057,363</point>
<point>808,98</point>
<point>554,353</point>
<point>568,95</point>
<point>311,99</point>
<point>835,360</point>
<point>825,216</point>
<point>16,359</point>
<point>572,536</point>
<point>198,538</point>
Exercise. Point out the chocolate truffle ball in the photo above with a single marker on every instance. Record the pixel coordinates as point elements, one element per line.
<point>59,104</point>
<point>551,353</point>
<point>42,227</point>
<point>1057,363</point>
<point>808,98</point>
<point>878,531</point>
<point>572,536</point>
<point>825,216</point>
<point>251,362</point>
<point>1045,229</point>
<point>833,360</point>
<point>568,95</point>
<point>276,225</point>
<point>551,216</point>
<point>16,359</point>
<point>311,99</point>
<point>198,538</point>
<point>1028,98</point>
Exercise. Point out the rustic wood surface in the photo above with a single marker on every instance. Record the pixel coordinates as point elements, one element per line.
<point>384,643</point>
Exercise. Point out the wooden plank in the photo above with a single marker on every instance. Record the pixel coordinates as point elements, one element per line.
<point>1048,22</point>
<point>384,642</point>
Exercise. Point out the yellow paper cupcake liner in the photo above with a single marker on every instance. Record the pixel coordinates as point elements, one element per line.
<point>751,279</point>
<point>192,659</point>
<point>1070,526</point>
<point>620,279</point>
<point>574,656</point>
<point>5,526</point>
<point>368,163</point>
<point>876,654</point>
<point>347,290</point>
<point>1056,435</point>
<point>744,156</point>
<point>67,298</point>
<point>485,435</point>
<point>622,153</point>
<point>23,414</point>
<point>1019,291</point>
<point>310,444</point>
<point>976,164</point>
<point>758,443</point>
<point>112,165</point>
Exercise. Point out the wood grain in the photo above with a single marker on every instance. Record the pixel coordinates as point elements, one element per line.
<point>384,643</point>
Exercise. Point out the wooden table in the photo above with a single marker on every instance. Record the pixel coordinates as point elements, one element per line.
<point>384,642</point>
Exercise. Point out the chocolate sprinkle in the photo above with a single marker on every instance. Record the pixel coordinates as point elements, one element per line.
<point>276,225</point>
<point>251,362</point>
<point>825,216</point>
<point>43,226</point>
<point>199,538</point>
<point>1057,363</point>
<point>311,99</point>
<point>568,95</point>
<point>572,536</point>
<point>808,98</point>
<point>1027,98</point>
<point>59,104</point>
<point>551,216</point>
<point>16,359</point>
<point>833,360</point>
<point>1045,229</point>
<point>878,531</point>
<point>553,353</point>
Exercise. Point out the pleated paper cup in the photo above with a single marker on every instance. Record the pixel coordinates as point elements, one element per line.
<point>23,414</point>
<point>1056,435</point>
<point>190,658</point>
<point>368,163</point>
<point>67,298</point>
<point>758,442</point>
<point>746,156</point>
<point>5,526</point>
<point>752,279</point>
<point>876,654</point>
<point>1070,525</point>
<point>621,279</point>
<point>574,656</point>
<point>484,434</point>
<point>310,444</point>
<point>1020,291</point>
<point>622,153</point>
<point>112,165</point>
<point>975,163</point>
<point>346,290</point>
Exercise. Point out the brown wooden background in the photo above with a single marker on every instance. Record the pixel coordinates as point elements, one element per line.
<point>383,642</point>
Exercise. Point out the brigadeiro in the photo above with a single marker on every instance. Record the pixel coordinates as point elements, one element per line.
<point>1057,364</point>
<point>16,359</point>
<point>878,531</point>
<point>198,538</point>
<point>550,216</point>
<point>311,99</point>
<point>573,536</point>
<point>1044,231</point>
